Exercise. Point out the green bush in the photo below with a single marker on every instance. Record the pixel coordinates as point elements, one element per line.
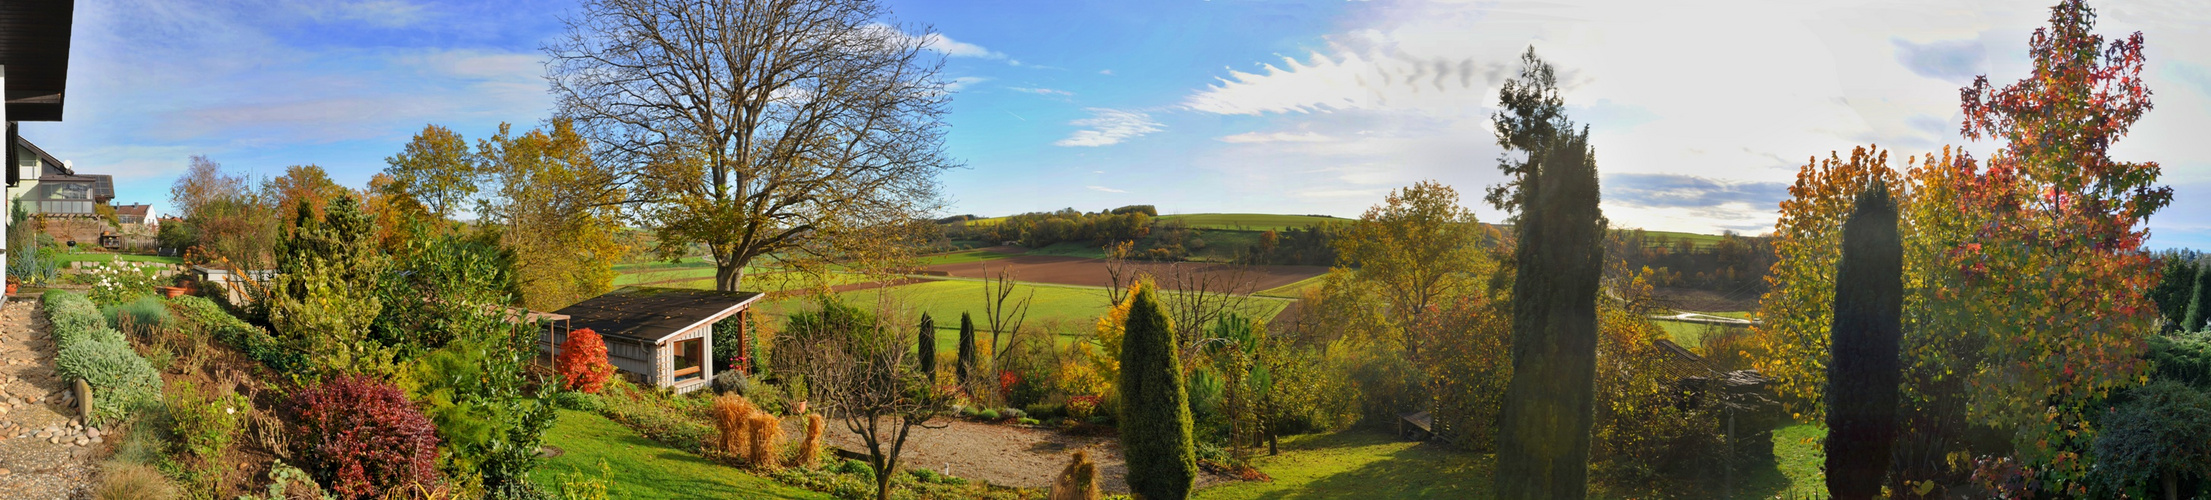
<point>1029,421</point>
<point>579,401</point>
<point>207,318</point>
<point>988,415</point>
<point>120,379</point>
<point>201,429</point>
<point>1156,433</point>
<point>2165,429</point>
<point>2182,357</point>
<point>72,316</point>
<point>144,313</point>
<point>1045,410</point>
<point>677,422</point>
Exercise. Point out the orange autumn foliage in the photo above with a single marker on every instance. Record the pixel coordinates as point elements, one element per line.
<point>582,362</point>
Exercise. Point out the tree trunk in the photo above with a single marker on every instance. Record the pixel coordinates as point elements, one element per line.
<point>2172,485</point>
<point>729,273</point>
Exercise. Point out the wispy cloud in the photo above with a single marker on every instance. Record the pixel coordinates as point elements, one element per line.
<point>961,83</point>
<point>955,48</point>
<point>1688,191</point>
<point>1103,189</point>
<point>1041,91</point>
<point>1108,127</point>
<point>1956,61</point>
<point>1256,137</point>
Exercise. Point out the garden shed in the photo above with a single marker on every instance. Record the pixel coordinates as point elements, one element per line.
<point>660,337</point>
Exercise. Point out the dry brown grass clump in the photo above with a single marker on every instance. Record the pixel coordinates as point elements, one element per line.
<point>1079,481</point>
<point>131,481</point>
<point>766,432</point>
<point>809,450</point>
<point>732,413</point>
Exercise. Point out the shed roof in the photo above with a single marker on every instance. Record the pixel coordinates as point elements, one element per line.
<point>654,313</point>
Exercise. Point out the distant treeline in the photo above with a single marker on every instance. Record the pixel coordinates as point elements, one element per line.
<point>1734,265</point>
<point>1153,238</point>
<point>1039,229</point>
<point>1303,246</point>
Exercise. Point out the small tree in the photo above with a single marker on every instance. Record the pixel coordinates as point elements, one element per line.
<point>2199,308</point>
<point>967,348</point>
<point>582,363</point>
<point>858,373</point>
<point>1155,409</point>
<point>926,347</point>
<point>1863,378</point>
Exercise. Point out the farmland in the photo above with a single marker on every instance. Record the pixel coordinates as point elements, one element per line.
<point>1250,222</point>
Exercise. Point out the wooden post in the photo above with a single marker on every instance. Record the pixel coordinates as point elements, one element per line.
<point>84,402</point>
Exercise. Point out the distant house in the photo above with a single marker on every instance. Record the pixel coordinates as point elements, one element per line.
<point>659,337</point>
<point>140,213</point>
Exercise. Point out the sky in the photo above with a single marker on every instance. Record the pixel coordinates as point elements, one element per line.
<point>1700,112</point>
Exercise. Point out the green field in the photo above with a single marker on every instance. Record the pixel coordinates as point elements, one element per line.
<point>1066,310</point>
<point>1249,222</point>
<point>643,468</point>
<point>1294,290</point>
<point>961,257</point>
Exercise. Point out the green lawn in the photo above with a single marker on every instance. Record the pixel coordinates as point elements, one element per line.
<point>1060,308</point>
<point>1797,449</point>
<point>1362,464</point>
<point>1249,222</point>
<point>105,257</point>
<point>642,468</point>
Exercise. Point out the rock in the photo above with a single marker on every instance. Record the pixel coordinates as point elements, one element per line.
<point>93,432</point>
<point>3,472</point>
<point>81,440</point>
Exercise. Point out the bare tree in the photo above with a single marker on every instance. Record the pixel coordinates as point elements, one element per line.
<point>860,377</point>
<point>1004,318</point>
<point>1199,295</point>
<point>1119,273</point>
<point>758,127</point>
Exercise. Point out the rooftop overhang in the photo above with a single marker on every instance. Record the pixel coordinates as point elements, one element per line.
<point>34,55</point>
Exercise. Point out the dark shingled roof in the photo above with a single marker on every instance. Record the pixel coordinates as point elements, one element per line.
<point>652,313</point>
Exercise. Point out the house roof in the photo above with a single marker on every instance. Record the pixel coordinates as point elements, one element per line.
<point>43,156</point>
<point>34,49</point>
<point>103,185</point>
<point>653,314</point>
<point>137,209</point>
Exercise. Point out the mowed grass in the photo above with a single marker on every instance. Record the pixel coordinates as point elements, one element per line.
<point>1798,457</point>
<point>961,257</point>
<point>1364,464</point>
<point>1250,222</point>
<point>1068,311</point>
<point>643,468</point>
<point>1294,290</point>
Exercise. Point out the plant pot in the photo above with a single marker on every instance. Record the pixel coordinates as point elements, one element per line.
<point>170,291</point>
<point>11,288</point>
<point>798,408</point>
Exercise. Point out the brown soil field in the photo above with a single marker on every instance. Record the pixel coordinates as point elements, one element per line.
<point>1092,272</point>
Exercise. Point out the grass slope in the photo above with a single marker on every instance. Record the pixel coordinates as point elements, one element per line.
<point>1065,310</point>
<point>1250,222</point>
<point>642,468</point>
<point>1362,464</point>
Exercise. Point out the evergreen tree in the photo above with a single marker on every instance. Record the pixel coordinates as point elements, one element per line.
<point>2176,290</point>
<point>1155,410</point>
<point>926,346</point>
<point>1863,373</point>
<point>324,299</point>
<point>1544,435</point>
<point>967,348</point>
<point>2199,310</point>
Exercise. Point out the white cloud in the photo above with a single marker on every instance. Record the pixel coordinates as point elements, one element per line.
<point>1108,127</point>
<point>1041,91</point>
<point>1106,72</point>
<point>1256,137</point>
<point>1103,189</point>
<point>955,48</point>
<point>964,82</point>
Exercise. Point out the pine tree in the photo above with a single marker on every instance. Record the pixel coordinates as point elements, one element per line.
<point>926,346</point>
<point>2199,310</point>
<point>1544,434</point>
<point>1155,409</point>
<point>967,348</point>
<point>1863,373</point>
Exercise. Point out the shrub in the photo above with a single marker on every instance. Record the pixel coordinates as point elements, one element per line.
<point>209,319</point>
<point>771,398</point>
<point>988,415</point>
<point>116,283</point>
<point>121,480</point>
<point>765,433</point>
<point>2163,434</point>
<point>579,401</point>
<point>287,482</point>
<point>809,450</point>
<point>1045,410</point>
<point>144,314</point>
<point>364,438</point>
<point>656,416</point>
<point>731,414</point>
<point>71,316</point>
<point>582,363</point>
<point>120,379</point>
<point>1155,421</point>
<point>201,429</point>
<point>1079,481</point>
<point>1028,421</point>
<point>1082,407</point>
<point>732,381</point>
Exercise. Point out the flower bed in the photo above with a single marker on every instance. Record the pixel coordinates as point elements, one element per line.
<point>120,379</point>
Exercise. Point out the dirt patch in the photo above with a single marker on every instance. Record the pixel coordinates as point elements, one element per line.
<point>1005,455</point>
<point>1093,272</point>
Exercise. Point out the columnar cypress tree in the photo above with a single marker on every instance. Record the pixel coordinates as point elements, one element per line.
<point>1155,409</point>
<point>967,348</point>
<point>1543,443</point>
<point>2199,310</point>
<point>927,347</point>
<point>2176,290</point>
<point>1864,373</point>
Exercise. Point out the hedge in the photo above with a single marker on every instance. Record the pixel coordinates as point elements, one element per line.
<point>89,350</point>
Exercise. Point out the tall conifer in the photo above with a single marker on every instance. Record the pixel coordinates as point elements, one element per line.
<point>1544,435</point>
<point>1863,373</point>
<point>1155,410</point>
<point>926,346</point>
<point>967,348</point>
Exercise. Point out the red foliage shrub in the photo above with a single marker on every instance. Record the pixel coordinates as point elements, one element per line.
<point>582,363</point>
<point>364,438</point>
<point>1006,381</point>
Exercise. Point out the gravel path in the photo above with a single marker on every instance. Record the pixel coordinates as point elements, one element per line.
<point>1005,455</point>
<point>45,452</point>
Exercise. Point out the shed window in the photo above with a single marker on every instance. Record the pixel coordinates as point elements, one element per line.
<point>690,354</point>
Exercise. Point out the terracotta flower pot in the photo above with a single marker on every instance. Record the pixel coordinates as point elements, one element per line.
<point>170,291</point>
<point>11,289</point>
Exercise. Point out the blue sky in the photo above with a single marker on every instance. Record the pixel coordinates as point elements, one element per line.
<point>1700,114</point>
